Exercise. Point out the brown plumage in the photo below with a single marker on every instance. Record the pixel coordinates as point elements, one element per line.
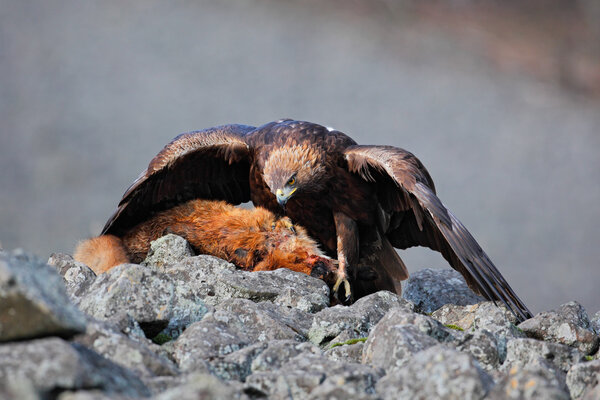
<point>359,202</point>
<point>252,239</point>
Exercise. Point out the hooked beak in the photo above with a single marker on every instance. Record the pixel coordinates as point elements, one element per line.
<point>283,195</point>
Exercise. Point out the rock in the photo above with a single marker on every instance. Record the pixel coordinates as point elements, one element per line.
<point>331,389</point>
<point>77,276</point>
<point>263,356</point>
<point>205,340</point>
<point>168,250</point>
<point>53,364</point>
<point>583,377</point>
<point>438,372</point>
<point>346,353</point>
<point>355,321</point>
<point>592,394</point>
<point>265,321</point>
<point>18,388</point>
<point>569,324</point>
<point>392,342</point>
<point>523,352</point>
<point>259,321</point>
<point>482,317</point>
<point>430,289</point>
<point>487,315</point>
<point>483,346</point>
<point>150,297</point>
<point>139,356</point>
<point>595,323</point>
<point>90,395</point>
<point>234,324</point>
<point>279,352</point>
<point>401,333</point>
<point>310,376</point>
<point>237,365</point>
<point>203,386</point>
<point>216,280</point>
<point>33,300</point>
<point>528,384</point>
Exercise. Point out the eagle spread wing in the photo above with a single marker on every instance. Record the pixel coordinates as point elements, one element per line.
<point>415,216</point>
<point>212,164</point>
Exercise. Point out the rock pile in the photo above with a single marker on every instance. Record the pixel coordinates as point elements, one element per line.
<point>187,327</point>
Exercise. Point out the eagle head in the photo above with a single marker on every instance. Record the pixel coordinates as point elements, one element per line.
<point>294,169</point>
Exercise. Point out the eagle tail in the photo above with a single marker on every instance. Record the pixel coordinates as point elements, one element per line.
<point>388,267</point>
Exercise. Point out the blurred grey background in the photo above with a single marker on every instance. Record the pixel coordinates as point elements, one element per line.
<point>499,100</point>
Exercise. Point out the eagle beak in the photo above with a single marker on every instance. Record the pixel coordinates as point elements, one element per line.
<point>283,195</point>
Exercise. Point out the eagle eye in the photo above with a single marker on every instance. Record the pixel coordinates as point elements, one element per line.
<point>291,181</point>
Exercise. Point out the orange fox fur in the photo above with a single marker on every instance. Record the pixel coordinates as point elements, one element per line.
<point>252,239</point>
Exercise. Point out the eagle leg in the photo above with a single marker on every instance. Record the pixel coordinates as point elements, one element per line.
<point>347,254</point>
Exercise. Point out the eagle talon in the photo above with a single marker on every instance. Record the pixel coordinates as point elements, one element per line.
<point>347,290</point>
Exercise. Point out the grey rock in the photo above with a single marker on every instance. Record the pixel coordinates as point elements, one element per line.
<point>392,343</point>
<point>482,317</point>
<point>522,352</point>
<point>340,323</point>
<point>592,394</point>
<point>429,289</point>
<point>19,388</point>
<point>237,365</point>
<point>159,384</point>
<point>234,324</point>
<point>168,250</point>
<point>526,384</point>
<point>309,375</point>
<point>141,356</point>
<point>333,390</point>
<point>595,323</point>
<point>346,353</point>
<point>279,352</point>
<point>216,280</point>
<point>33,300</point>
<point>569,324</point>
<point>150,297</point>
<point>438,372</point>
<point>205,340</point>
<point>487,315</point>
<point>77,276</point>
<point>203,386</point>
<point>53,364</point>
<point>483,346</point>
<point>258,321</point>
<point>90,395</point>
<point>401,333</point>
<point>583,377</point>
<point>265,320</point>
<point>263,356</point>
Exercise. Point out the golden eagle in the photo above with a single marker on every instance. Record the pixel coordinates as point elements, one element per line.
<point>358,201</point>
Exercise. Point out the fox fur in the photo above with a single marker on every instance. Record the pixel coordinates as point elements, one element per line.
<point>252,239</point>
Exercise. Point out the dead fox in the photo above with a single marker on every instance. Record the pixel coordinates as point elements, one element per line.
<point>253,239</point>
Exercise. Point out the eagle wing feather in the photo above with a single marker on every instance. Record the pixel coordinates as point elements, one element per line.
<point>418,218</point>
<point>212,164</point>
